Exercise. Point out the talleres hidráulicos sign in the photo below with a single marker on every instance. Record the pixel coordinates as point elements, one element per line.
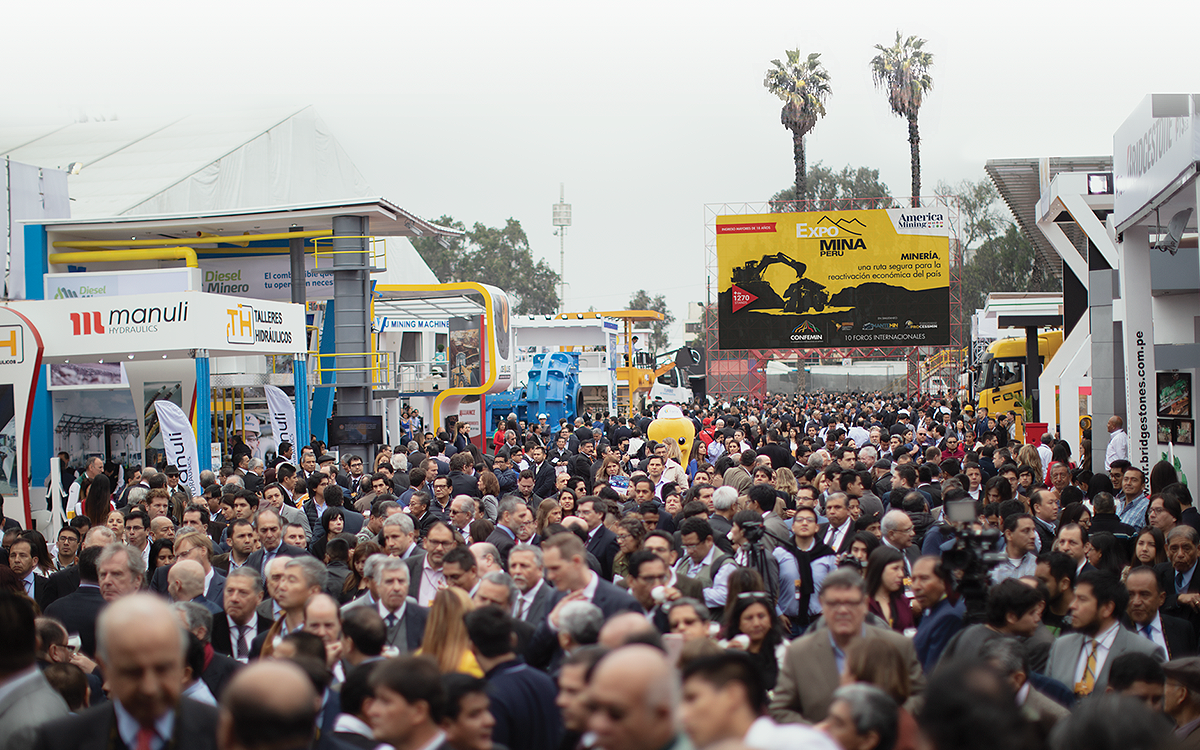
<point>834,279</point>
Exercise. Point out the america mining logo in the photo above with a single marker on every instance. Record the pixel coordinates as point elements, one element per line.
<point>806,331</point>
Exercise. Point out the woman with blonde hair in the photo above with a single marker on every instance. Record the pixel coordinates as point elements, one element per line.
<point>446,640</point>
<point>1028,456</point>
<point>549,511</point>
<point>674,471</point>
<point>877,662</point>
<point>610,468</point>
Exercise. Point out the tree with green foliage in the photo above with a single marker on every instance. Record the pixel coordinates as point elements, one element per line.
<point>1004,263</point>
<point>902,71</point>
<point>851,188</point>
<point>658,329</point>
<point>499,256</point>
<point>803,86</point>
<point>983,215</point>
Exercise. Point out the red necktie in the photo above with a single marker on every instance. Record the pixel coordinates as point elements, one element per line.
<point>144,738</point>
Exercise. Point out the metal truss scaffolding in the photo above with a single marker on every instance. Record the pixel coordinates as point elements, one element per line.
<point>733,373</point>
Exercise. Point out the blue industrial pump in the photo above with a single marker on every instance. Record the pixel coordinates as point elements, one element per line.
<point>552,389</point>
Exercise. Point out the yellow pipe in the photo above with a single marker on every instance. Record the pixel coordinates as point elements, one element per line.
<point>108,256</point>
<point>204,239</point>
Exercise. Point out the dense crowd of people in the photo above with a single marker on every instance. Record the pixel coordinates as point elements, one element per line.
<point>788,573</point>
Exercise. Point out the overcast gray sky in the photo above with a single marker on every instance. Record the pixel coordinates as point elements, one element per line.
<point>646,111</point>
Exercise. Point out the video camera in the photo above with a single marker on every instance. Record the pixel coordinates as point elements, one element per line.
<point>972,557</point>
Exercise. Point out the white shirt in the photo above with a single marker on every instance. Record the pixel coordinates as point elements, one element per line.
<point>1047,457</point>
<point>525,601</point>
<point>1118,448</point>
<point>719,592</point>
<point>248,638</point>
<point>432,581</point>
<point>1105,640</point>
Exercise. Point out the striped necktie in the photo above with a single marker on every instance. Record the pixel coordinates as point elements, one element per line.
<point>1089,670</point>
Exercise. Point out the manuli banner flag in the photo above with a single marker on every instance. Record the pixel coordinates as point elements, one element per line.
<point>834,279</point>
<point>179,444</point>
<point>283,415</point>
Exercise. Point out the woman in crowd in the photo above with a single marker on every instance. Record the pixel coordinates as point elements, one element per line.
<point>99,498</point>
<point>333,521</point>
<point>997,490</point>
<point>489,487</point>
<point>610,468</point>
<point>1028,456</point>
<point>753,616</point>
<point>356,582</point>
<point>879,663</point>
<point>566,502</point>
<point>115,521</point>
<point>1161,475</point>
<point>548,512</point>
<point>862,544</point>
<point>1150,547</point>
<point>1106,553</point>
<point>446,640</point>
<point>885,589</point>
<point>1026,480</point>
<point>630,533</point>
<point>1075,512</point>
<point>162,555</point>
<point>675,470</point>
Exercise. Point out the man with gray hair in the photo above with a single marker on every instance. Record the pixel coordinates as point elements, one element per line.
<point>579,624</point>
<point>121,571</point>
<point>496,589</point>
<point>862,716</point>
<point>141,648</point>
<point>403,617</point>
<point>185,583</point>
<point>813,664</point>
<point>898,533</point>
<point>198,621</point>
<point>724,506</point>
<point>635,686</point>
<point>462,513</point>
<point>525,563</point>
<point>399,537</point>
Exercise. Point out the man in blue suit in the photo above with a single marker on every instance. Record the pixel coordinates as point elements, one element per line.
<point>930,583</point>
<point>198,546</point>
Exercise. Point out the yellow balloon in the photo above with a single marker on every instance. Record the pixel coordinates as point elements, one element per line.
<point>672,424</point>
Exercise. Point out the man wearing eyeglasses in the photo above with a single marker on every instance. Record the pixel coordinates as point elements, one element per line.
<point>647,572</point>
<point>427,572</point>
<point>813,664</point>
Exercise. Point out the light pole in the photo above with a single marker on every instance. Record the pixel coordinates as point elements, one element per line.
<point>562,220</point>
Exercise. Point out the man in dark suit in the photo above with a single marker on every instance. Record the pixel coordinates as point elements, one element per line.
<point>21,562</point>
<point>422,513</point>
<point>26,698</point>
<point>219,668</point>
<point>543,471</point>
<point>1044,505</point>
<point>509,515</point>
<point>1174,635</point>
<point>413,682</point>
<point>198,546</point>
<point>269,526</point>
<point>533,594</point>
<point>601,541</point>
<point>942,620</point>
<point>1179,577</point>
<point>898,533</point>
<point>402,616</point>
<point>140,630</point>
<point>243,593</point>
<point>838,532</point>
<point>566,568</point>
<point>463,480</point>
<point>78,610</point>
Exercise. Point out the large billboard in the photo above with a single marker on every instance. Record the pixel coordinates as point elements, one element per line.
<point>834,279</point>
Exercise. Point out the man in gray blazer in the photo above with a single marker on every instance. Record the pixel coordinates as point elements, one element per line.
<point>1081,660</point>
<point>402,616</point>
<point>812,666</point>
<point>28,700</point>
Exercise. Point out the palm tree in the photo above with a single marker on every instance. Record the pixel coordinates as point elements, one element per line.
<point>902,71</point>
<point>803,85</point>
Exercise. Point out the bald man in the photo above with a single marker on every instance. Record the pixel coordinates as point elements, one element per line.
<point>185,583</point>
<point>270,704</point>
<point>634,692</point>
<point>619,630</point>
<point>140,648</point>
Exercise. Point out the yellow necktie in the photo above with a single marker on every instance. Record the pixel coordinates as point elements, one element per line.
<point>1089,670</point>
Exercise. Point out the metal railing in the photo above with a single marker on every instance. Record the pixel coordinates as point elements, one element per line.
<point>376,252</point>
<point>381,366</point>
<point>425,376</point>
